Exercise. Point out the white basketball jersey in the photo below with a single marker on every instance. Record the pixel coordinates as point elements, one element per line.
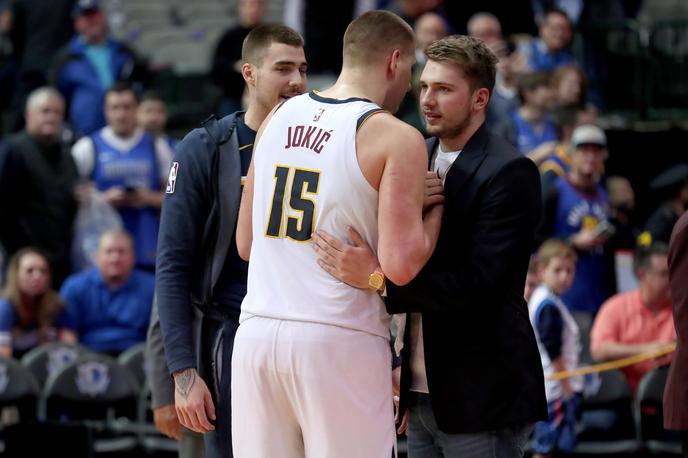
<point>571,346</point>
<point>307,177</point>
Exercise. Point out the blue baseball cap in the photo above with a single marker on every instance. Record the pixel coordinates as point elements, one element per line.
<point>85,6</point>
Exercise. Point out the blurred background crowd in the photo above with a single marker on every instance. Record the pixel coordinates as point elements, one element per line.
<point>594,92</point>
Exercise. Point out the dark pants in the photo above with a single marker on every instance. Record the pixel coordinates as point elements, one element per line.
<point>214,366</point>
<point>425,440</point>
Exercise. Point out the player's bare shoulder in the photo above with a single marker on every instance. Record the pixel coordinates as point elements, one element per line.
<point>385,133</point>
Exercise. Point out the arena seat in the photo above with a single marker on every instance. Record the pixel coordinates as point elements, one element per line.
<point>607,426</point>
<point>99,393</point>
<point>649,418</point>
<point>47,358</point>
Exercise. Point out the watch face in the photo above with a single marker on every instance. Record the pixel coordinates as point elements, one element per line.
<point>376,280</point>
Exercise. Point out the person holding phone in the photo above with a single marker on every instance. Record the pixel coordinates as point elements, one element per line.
<point>123,162</point>
<point>577,210</point>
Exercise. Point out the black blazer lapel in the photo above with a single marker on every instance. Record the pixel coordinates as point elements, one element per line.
<point>468,162</point>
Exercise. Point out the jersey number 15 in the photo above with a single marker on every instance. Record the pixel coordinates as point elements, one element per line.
<point>302,185</point>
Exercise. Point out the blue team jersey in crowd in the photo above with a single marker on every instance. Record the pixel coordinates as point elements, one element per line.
<point>135,168</point>
<point>576,211</point>
<point>528,138</point>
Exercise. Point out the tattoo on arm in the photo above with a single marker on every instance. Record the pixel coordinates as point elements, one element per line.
<point>184,380</point>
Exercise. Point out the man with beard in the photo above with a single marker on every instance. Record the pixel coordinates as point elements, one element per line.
<point>471,378</point>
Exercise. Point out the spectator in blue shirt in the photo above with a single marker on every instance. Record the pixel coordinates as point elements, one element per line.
<point>551,49</point>
<point>109,306</point>
<point>90,64</point>
<point>30,310</point>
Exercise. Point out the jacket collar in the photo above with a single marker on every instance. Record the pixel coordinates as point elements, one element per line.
<point>468,162</point>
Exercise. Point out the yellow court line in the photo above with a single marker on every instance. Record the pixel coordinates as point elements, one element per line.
<point>616,364</point>
<point>245,146</point>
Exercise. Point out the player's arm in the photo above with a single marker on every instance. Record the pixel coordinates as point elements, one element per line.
<point>244,232</point>
<point>353,263</point>
<point>503,233</point>
<point>184,215</point>
<point>395,152</point>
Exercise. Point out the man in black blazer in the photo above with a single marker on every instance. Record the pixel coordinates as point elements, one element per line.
<point>471,376</point>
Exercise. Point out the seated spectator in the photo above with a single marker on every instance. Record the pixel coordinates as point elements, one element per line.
<point>558,339</point>
<point>37,181</point>
<point>109,306</point>
<point>504,98</point>
<point>640,320</point>
<point>671,186</point>
<point>90,64</point>
<point>619,247</point>
<point>31,311</point>
<point>570,86</point>
<point>566,119</point>
<point>530,127</point>
<point>576,209</point>
<point>125,163</point>
<point>551,49</point>
<point>486,27</point>
<point>428,28</point>
<point>152,117</point>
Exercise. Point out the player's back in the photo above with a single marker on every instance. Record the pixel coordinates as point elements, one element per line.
<point>307,177</point>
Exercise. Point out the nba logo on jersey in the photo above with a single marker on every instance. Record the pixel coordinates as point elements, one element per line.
<point>172,179</point>
<point>316,118</point>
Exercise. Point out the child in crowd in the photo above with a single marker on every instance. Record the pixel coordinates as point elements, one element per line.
<point>559,343</point>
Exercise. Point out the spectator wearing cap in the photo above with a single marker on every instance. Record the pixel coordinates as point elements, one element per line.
<point>90,64</point>
<point>576,210</point>
<point>672,188</point>
<point>640,320</point>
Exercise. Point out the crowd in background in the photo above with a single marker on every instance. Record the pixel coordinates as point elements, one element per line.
<point>84,162</point>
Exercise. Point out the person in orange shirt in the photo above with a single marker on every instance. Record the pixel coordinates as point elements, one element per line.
<point>640,320</point>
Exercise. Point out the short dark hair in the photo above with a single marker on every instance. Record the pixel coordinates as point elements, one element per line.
<point>558,11</point>
<point>471,54</point>
<point>530,81</point>
<point>122,86</point>
<point>151,95</point>
<point>643,255</point>
<point>261,37</point>
<point>374,34</point>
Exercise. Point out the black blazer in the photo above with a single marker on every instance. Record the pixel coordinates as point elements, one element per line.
<point>481,357</point>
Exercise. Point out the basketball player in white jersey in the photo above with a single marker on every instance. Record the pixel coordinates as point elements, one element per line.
<point>311,363</point>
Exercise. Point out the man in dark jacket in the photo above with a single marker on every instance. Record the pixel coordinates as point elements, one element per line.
<point>37,179</point>
<point>197,262</point>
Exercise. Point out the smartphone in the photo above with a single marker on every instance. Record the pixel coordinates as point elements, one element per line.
<point>604,228</point>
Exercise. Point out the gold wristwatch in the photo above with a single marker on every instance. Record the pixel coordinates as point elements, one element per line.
<point>376,281</point>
